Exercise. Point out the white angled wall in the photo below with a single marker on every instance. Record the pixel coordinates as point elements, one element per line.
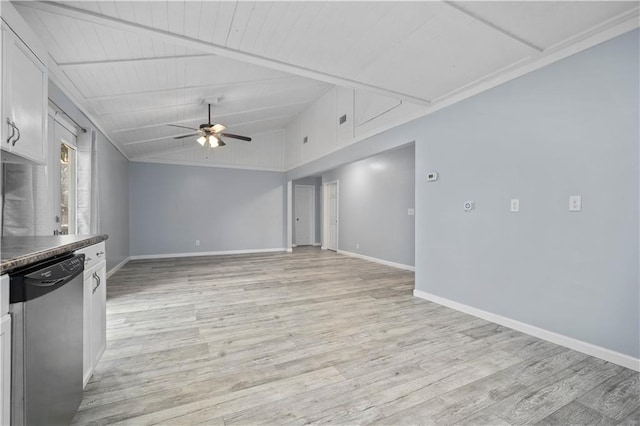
<point>366,114</point>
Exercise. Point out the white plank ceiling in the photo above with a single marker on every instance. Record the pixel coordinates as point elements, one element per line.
<point>136,66</point>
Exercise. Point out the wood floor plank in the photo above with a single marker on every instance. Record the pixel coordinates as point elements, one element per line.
<point>617,397</point>
<point>576,413</point>
<point>316,337</point>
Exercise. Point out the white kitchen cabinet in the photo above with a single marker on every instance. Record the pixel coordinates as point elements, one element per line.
<point>95,308</point>
<point>5,352</point>
<point>24,93</point>
<point>5,370</point>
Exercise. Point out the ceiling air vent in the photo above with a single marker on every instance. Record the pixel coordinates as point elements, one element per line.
<point>305,139</point>
<point>343,119</point>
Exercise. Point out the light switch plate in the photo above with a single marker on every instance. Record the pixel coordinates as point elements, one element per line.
<point>515,205</point>
<point>432,177</point>
<point>575,203</point>
<point>411,212</point>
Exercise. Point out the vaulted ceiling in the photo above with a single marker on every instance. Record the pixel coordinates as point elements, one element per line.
<point>136,66</point>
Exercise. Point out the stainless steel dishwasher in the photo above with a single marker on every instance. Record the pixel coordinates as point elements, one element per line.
<point>46,307</point>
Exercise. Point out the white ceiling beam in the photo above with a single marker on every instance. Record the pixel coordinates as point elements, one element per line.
<point>159,138</point>
<point>158,108</point>
<point>87,64</point>
<point>216,116</point>
<point>494,26</point>
<point>183,88</point>
<point>205,47</point>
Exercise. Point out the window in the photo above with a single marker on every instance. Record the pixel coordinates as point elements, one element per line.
<point>67,189</point>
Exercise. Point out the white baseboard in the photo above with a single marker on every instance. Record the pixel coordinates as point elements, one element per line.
<point>559,339</point>
<point>117,267</point>
<point>290,250</point>
<point>206,253</point>
<point>316,244</point>
<point>376,260</point>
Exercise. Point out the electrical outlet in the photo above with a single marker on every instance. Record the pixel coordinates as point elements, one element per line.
<point>411,212</point>
<point>575,203</point>
<point>197,243</point>
<point>515,205</point>
<point>357,246</point>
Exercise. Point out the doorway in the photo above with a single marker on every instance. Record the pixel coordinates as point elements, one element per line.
<point>305,223</point>
<point>330,222</point>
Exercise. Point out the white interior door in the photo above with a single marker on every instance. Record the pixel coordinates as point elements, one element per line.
<point>304,215</point>
<point>331,216</point>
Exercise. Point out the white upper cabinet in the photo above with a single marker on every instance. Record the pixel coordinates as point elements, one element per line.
<point>24,92</point>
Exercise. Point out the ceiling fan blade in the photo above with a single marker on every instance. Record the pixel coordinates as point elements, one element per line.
<point>187,136</point>
<point>221,142</point>
<point>217,128</point>
<point>184,127</point>
<point>231,135</point>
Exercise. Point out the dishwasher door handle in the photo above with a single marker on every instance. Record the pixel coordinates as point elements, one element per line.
<point>47,283</point>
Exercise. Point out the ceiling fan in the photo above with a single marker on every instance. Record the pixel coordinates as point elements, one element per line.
<point>210,134</point>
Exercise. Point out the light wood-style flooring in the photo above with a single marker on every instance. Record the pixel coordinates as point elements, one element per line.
<point>317,337</point>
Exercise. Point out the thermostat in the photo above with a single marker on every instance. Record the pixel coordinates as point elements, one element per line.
<point>431,177</point>
<point>469,206</point>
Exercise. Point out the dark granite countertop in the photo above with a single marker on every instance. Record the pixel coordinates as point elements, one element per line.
<point>22,251</point>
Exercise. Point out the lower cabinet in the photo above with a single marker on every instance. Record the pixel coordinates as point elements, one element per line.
<point>5,352</point>
<point>95,309</point>
<point>5,370</point>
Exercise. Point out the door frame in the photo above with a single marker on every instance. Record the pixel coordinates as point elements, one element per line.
<point>325,213</point>
<point>312,224</point>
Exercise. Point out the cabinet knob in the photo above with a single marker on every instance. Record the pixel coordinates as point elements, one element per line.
<point>100,253</point>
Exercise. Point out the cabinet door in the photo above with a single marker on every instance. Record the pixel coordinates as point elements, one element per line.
<point>25,97</point>
<point>5,370</point>
<point>99,313</point>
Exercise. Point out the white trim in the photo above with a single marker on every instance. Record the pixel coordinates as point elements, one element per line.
<point>316,244</point>
<point>559,339</point>
<point>195,163</point>
<point>205,253</point>
<point>117,267</point>
<point>289,250</point>
<point>376,260</point>
<point>289,212</point>
<point>325,213</point>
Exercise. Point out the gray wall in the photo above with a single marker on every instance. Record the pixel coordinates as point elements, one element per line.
<point>113,200</point>
<point>374,197</point>
<point>226,209</point>
<point>570,128</point>
<point>113,188</point>
<point>317,183</point>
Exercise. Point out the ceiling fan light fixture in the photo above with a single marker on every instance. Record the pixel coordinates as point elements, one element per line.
<point>202,140</point>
